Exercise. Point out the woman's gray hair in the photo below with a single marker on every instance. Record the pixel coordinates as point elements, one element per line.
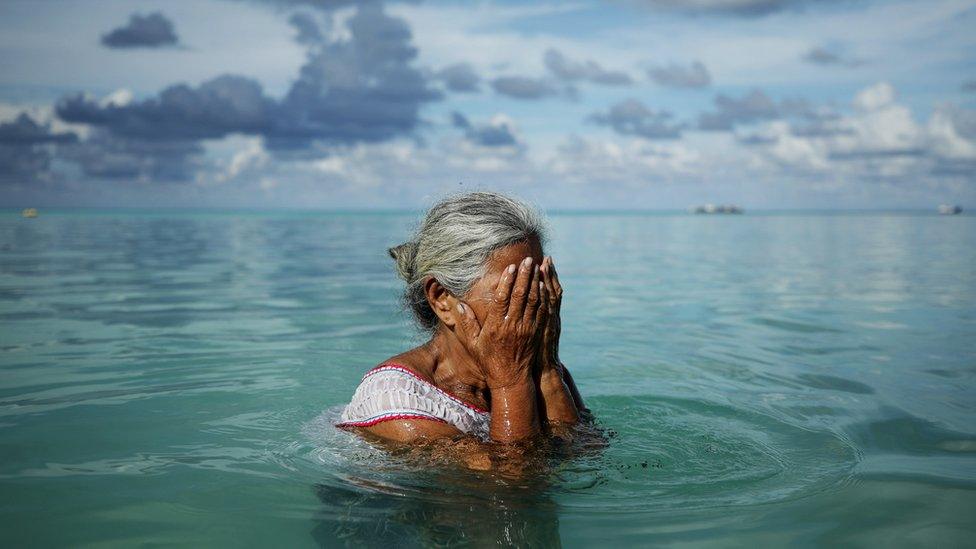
<point>455,240</point>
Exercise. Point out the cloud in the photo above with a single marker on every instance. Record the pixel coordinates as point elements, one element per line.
<point>823,56</point>
<point>625,168</point>
<point>969,86</point>
<point>631,117</point>
<point>524,87</point>
<point>106,156</point>
<point>875,98</point>
<point>218,107</point>
<point>24,131</point>
<point>755,106</point>
<point>742,8</point>
<point>142,31</point>
<point>498,132</point>
<point>460,77</point>
<point>361,88</point>
<point>26,149</point>
<point>677,76</point>
<point>358,88</point>
<point>963,120</point>
<point>589,71</point>
<point>880,139</point>
<point>307,28</point>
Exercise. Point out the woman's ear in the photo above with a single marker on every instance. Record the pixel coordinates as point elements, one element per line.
<point>441,301</point>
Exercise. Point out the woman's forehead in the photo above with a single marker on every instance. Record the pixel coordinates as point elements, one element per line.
<point>514,253</point>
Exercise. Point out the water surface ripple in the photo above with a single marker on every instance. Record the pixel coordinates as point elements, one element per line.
<point>762,379</point>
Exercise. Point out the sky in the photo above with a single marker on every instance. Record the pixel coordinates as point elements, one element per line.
<point>609,104</point>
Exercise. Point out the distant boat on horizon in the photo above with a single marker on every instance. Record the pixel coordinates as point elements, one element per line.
<point>717,209</point>
<point>949,209</point>
<point>29,212</point>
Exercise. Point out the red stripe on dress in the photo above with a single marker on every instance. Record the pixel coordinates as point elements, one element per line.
<point>404,369</point>
<point>371,422</point>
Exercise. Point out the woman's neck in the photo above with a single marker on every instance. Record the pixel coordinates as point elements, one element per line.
<point>452,367</point>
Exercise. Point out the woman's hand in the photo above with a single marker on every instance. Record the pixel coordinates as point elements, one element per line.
<point>558,405</point>
<point>508,343</point>
<point>549,358</point>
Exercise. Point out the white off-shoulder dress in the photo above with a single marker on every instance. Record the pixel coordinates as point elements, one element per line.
<point>391,391</point>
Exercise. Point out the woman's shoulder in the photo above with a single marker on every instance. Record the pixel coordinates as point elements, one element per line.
<point>411,362</point>
<point>395,401</point>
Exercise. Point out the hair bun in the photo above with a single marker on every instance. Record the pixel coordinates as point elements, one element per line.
<point>405,256</point>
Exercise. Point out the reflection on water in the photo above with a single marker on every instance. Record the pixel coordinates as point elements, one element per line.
<point>425,497</point>
<point>763,379</point>
<point>369,516</point>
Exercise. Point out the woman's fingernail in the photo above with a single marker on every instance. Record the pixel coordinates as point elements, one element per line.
<point>460,307</point>
<point>511,268</point>
<point>527,261</point>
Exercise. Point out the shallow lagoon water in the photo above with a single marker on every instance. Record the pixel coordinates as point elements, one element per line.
<point>171,378</point>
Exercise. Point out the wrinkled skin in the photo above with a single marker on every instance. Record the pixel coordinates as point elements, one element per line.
<point>496,348</point>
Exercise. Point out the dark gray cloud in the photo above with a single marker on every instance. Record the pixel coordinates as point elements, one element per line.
<point>107,156</point>
<point>677,76</point>
<point>963,120</point>
<point>631,117</point>
<point>362,88</point>
<point>825,57</point>
<point>492,134</point>
<point>867,154</point>
<point>24,131</point>
<point>820,56</point>
<point>969,86</point>
<point>589,71</point>
<point>524,87</point>
<point>460,78</point>
<point>23,165</point>
<point>757,139</point>
<point>26,149</point>
<point>324,5</point>
<point>754,106</point>
<point>221,106</point>
<point>307,29</point>
<point>818,129</point>
<point>740,8</point>
<point>142,31</point>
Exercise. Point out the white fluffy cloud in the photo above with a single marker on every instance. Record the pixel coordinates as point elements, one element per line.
<point>880,139</point>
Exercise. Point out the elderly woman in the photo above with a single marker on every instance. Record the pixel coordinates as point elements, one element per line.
<point>478,281</point>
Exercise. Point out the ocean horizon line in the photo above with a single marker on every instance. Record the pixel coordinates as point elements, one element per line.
<point>182,210</point>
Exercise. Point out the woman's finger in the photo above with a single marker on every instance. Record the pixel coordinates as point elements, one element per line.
<point>545,309</point>
<point>468,324</point>
<point>520,291</point>
<point>503,291</point>
<point>556,286</point>
<point>546,276</point>
<point>532,301</point>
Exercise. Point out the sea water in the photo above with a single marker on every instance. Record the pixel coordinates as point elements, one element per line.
<point>763,379</point>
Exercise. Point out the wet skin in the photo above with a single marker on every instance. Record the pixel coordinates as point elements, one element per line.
<point>496,348</point>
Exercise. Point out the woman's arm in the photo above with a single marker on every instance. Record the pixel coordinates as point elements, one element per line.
<point>412,430</point>
<point>557,392</point>
<point>430,443</point>
<point>571,385</point>
<point>556,395</point>
<point>507,346</point>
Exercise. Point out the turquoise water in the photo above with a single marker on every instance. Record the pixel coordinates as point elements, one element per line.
<point>770,379</point>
